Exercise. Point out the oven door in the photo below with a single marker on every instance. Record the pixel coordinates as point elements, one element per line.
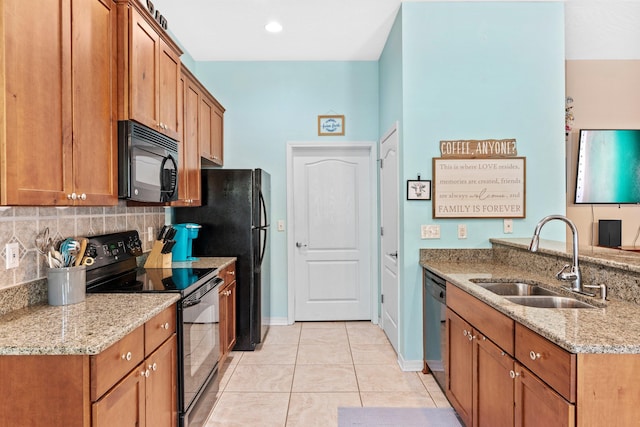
<point>200,342</point>
<point>153,174</point>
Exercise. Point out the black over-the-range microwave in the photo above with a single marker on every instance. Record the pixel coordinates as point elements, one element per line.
<point>147,164</point>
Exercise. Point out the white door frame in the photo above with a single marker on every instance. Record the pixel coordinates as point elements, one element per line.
<point>296,147</point>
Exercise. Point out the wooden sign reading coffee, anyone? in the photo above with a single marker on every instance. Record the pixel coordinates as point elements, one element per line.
<point>478,148</point>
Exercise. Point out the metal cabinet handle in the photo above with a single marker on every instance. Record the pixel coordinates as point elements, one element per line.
<point>83,196</point>
<point>533,355</point>
<point>232,273</point>
<point>165,326</point>
<point>513,374</point>
<point>153,367</point>
<point>145,373</point>
<point>127,356</point>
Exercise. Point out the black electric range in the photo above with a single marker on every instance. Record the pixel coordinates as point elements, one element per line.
<point>115,270</point>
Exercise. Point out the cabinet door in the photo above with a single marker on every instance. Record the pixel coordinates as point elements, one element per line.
<point>189,179</point>
<point>144,50</point>
<point>95,148</point>
<point>217,136</point>
<point>123,405</point>
<point>161,385</point>
<point>538,405</point>
<point>205,126</point>
<point>493,385</point>
<point>230,317</point>
<point>459,366</point>
<point>169,71</point>
<point>36,138</point>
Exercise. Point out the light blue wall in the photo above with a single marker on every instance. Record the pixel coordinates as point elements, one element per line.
<point>271,103</point>
<point>476,71</point>
<point>455,70</point>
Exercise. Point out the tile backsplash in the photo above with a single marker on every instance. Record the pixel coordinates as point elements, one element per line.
<point>22,224</point>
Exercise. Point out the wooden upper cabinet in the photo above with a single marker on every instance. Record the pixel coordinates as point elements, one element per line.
<point>211,130</point>
<point>189,149</point>
<point>58,87</point>
<point>149,70</point>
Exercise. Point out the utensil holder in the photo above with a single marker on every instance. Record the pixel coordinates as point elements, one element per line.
<point>66,285</point>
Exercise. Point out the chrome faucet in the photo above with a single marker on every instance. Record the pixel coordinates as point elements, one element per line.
<point>568,272</point>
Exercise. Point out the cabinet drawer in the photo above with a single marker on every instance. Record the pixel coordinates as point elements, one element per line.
<point>554,365</point>
<point>228,274</point>
<point>158,329</point>
<point>108,367</point>
<point>494,325</point>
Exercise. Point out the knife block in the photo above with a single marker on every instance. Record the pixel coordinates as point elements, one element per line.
<point>156,258</point>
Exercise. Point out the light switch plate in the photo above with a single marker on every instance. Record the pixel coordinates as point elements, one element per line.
<point>462,231</point>
<point>280,225</point>
<point>12,255</point>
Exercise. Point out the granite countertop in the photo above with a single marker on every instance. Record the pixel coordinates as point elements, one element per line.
<point>608,328</point>
<point>88,327</point>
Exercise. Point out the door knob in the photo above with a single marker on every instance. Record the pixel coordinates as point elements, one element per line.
<point>300,245</point>
<point>394,254</point>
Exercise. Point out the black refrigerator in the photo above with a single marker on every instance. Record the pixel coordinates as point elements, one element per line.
<point>235,222</point>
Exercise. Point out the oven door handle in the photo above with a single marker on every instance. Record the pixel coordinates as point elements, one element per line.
<point>191,303</point>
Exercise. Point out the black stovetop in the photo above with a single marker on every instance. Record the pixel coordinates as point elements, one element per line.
<point>154,280</point>
<point>115,269</point>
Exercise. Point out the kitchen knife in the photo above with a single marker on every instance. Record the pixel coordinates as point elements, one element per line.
<point>171,233</point>
<point>162,233</point>
<point>168,246</point>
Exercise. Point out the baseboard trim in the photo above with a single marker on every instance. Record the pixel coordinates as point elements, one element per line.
<point>410,365</point>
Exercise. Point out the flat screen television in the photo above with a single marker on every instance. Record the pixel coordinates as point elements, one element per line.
<point>608,166</point>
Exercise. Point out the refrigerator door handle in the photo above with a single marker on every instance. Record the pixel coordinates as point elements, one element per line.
<point>263,209</point>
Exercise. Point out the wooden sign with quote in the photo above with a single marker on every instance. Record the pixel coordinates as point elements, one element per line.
<point>478,148</point>
<point>479,187</point>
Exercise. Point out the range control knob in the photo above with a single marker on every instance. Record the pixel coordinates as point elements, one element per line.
<point>92,251</point>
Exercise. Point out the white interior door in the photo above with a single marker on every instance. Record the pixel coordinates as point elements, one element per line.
<point>332,191</point>
<point>389,253</point>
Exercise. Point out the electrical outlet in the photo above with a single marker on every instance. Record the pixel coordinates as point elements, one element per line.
<point>150,234</point>
<point>462,231</point>
<point>508,226</point>
<point>430,231</point>
<point>12,255</point>
<point>280,225</point>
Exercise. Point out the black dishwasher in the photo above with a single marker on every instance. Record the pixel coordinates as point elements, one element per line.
<point>434,347</point>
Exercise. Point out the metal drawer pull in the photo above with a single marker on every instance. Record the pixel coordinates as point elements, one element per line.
<point>232,273</point>
<point>165,326</point>
<point>513,374</point>
<point>153,367</point>
<point>145,374</point>
<point>533,355</point>
<point>127,356</point>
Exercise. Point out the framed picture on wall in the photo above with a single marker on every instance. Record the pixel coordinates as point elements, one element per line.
<point>418,190</point>
<point>330,125</point>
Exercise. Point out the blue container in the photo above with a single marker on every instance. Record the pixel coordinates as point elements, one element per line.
<point>185,233</point>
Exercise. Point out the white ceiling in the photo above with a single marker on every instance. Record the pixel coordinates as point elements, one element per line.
<point>353,30</point>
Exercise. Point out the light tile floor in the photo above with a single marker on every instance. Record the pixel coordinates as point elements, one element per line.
<point>302,373</point>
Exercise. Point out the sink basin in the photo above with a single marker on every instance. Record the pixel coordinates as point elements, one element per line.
<point>548,302</point>
<point>515,288</point>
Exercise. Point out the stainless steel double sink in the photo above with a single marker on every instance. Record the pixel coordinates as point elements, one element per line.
<point>532,295</point>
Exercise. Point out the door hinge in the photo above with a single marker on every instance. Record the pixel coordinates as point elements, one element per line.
<point>381,298</point>
<point>382,231</point>
<point>381,162</point>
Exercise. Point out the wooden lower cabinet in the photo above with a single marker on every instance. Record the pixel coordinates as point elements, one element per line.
<point>125,385</point>
<point>488,386</point>
<point>146,396</point>
<point>227,296</point>
<point>537,404</point>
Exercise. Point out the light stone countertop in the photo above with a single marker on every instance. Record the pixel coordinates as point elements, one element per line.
<point>88,327</point>
<point>609,328</point>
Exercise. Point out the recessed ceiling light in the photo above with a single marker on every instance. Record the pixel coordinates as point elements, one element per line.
<point>273,27</point>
